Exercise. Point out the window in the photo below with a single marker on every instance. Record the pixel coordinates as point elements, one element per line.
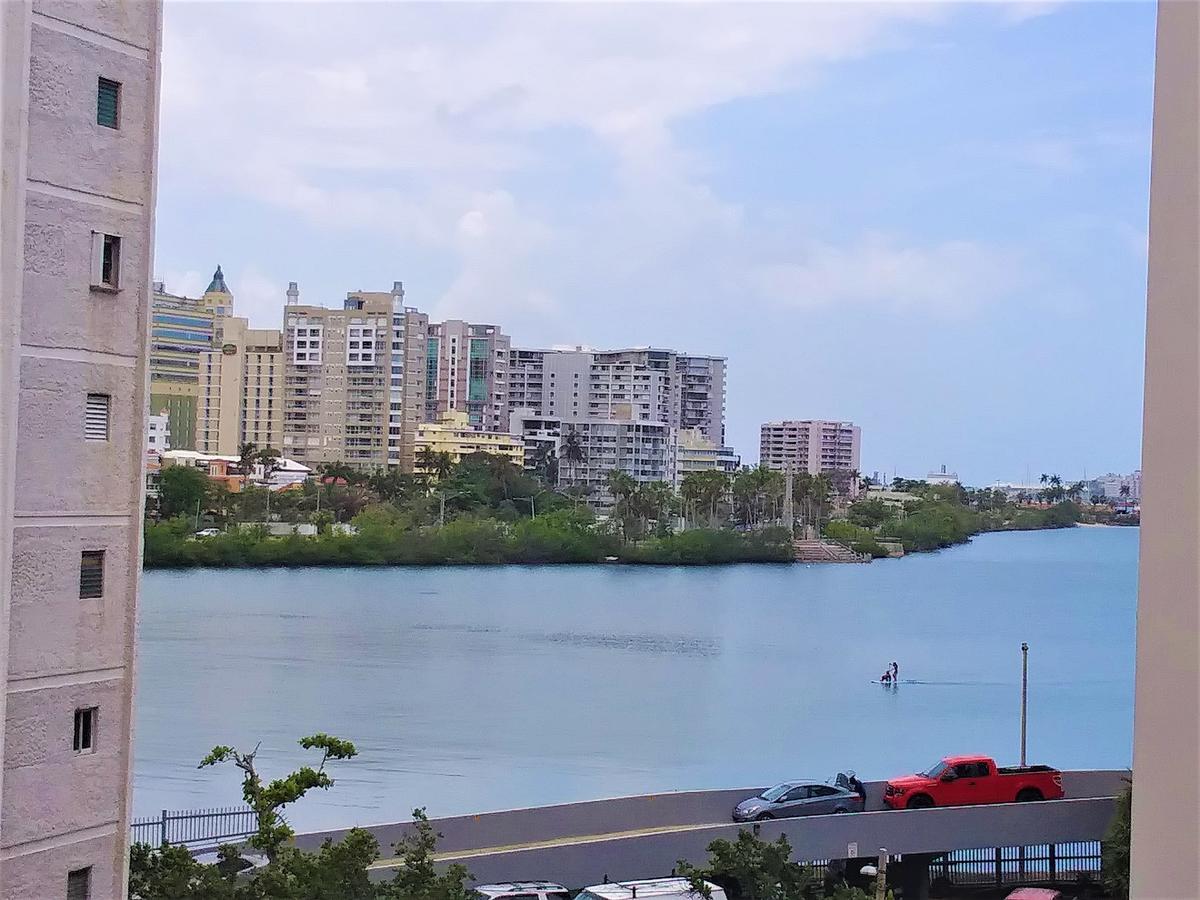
<point>823,790</point>
<point>108,103</point>
<point>91,574</point>
<point>85,729</point>
<point>800,793</point>
<point>106,261</point>
<point>79,884</point>
<point>95,419</point>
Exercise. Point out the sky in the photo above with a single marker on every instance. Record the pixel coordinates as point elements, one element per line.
<point>928,219</point>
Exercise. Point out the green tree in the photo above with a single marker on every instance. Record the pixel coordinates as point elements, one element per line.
<point>416,878</point>
<point>1115,847</point>
<point>870,513</point>
<point>182,490</point>
<point>247,457</point>
<point>753,869</point>
<point>267,800</point>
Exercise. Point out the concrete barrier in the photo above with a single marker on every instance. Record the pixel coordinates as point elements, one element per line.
<point>624,814</point>
<point>815,838</point>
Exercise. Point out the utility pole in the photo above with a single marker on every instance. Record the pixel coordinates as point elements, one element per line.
<point>788,510</point>
<point>1024,695</point>
<point>881,875</point>
<point>197,528</point>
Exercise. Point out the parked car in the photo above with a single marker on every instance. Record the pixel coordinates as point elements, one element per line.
<point>972,780</point>
<point>522,890</point>
<point>1033,893</point>
<point>208,532</point>
<point>656,888</point>
<point>802,797</point>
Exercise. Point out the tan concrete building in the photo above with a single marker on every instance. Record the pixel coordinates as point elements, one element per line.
<point>241,389</point>
<point>1166,751</point>
<point>337,381</point>
<point>810,445</point>
<point>78,102</point>
<point>696,453</point>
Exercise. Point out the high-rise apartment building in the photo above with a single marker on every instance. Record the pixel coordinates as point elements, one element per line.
<point>241,389</point>
<point>406,379</point>
<point>696,453</point>
<point>337,391</point>
<point>810,445</point>
<point>181,328</point>
<point>78,103</point>
<point>643,450</point>
<point>641,385</point>
<point>466,369</point>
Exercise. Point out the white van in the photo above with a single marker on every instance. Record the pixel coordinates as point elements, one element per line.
<point>656,888</point>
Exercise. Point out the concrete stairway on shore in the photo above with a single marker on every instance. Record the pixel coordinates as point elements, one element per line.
<point>827,551</point>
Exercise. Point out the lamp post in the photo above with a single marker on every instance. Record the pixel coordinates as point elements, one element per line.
<point>1024,695</point>
<point>442,498</point>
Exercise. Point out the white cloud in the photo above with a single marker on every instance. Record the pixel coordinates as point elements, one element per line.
<point>948,278</point>
<point>401,119</point>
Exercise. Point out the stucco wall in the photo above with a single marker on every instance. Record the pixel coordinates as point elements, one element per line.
<point>50,423</point>
<point>33,875</point>
<point>63,310</point>
<point>50,789</point>
<point>62,113</point>
<point>132,21</point>
<point>53,630</point>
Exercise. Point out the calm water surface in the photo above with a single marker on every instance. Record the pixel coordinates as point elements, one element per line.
<point>470,689</point>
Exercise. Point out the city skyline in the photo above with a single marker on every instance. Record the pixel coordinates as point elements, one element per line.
<point>939,211</point>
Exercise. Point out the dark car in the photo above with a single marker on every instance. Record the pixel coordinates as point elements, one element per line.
<point>802,797</point>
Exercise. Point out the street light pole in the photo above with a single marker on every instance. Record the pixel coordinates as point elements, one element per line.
<point>1024,696</point>
<point>881,875</point>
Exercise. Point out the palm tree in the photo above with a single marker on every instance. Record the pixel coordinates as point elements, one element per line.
<point>1044,478</point>
<point>571,451</point>
<point>691,488</point>
<point>426,460</point>
<point>1124,492</point>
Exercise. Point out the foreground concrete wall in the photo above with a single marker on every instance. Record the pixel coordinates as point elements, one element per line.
<point>67,179</point>
<point>1166,754</point>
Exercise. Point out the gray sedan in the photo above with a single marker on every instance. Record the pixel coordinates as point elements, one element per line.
<point>798,798</point>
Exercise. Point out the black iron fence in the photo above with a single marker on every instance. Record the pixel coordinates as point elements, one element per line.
<point>195,828</point>
<point>1005,865</point>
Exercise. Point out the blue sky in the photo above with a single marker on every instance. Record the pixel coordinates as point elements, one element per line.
<point>928,219</point>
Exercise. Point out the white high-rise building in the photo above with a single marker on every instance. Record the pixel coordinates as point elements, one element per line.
<point>79,85</point>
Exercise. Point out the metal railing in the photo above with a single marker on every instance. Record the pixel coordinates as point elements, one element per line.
<point>1004,865</point>
<point>195,828</point>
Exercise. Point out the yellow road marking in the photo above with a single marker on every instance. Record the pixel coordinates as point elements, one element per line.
<point>457,855</point>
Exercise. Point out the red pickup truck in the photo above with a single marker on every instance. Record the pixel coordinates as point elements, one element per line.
<point>972,780</point>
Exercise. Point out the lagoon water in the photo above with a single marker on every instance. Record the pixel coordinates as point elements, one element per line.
<point>472,689</point>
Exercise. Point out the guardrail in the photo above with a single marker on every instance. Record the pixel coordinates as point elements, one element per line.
<point>197,829</point>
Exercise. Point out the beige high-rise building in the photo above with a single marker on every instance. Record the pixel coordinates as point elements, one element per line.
<point>79,86</point>
<point>353,380</point>
<point>241,389</point>
<point>810,445</point>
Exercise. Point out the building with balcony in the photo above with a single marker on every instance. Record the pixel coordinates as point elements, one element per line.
<point>455,435</point>
<point>79,92</point>
<point>810,445</point>
<point>696,453</point>
<point>643,450</point>
<point>337,391</point>
<point>641,384</point>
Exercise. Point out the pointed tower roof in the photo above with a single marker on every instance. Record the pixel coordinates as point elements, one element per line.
<point>217,285</point>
